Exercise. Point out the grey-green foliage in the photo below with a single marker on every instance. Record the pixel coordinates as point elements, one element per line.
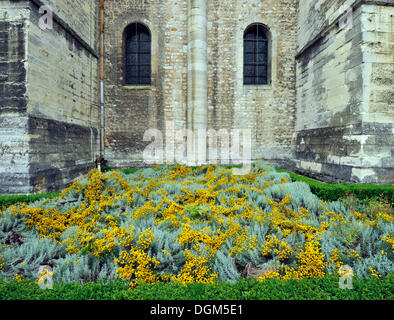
<point>224,266</point>
<point>272,176</point>
<point>338,206</point>
<point>151,173</point>
<point>386,228</point>
<point>83,269</point>
<point>370,240</point>
<point>173,259</point>
<point>172,189</point>
<point>194,187</point>
<point>379,262</point>
<point>328,244</point>
<point>23,252</point>
<point>260,231</point>
<point>250,255</point>
<point>261,166</point>
<point>295,239</point>
<point>352,234</point>
<point>141,224</point>
<point>157,198</point>
<point>165,239</point>
<point>254,199</point>
<point>300,195</point>
<point>254,255</point>
<point>25,259</point>
<point>11,223</point>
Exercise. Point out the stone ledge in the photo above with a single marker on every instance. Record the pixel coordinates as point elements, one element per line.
<point>130,87</point>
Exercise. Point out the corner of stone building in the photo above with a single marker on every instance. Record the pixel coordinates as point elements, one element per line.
<point>48,121</point>
<point>14,143</point>
<point>344,85</point>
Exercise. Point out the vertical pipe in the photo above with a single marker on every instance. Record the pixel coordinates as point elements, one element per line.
<point>197,76</point>
<point>102,110</point>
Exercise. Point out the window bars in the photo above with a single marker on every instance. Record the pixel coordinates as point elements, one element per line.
<point>255,55</point>
<point>137,55</point>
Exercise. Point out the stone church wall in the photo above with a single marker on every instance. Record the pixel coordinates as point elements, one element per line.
<point>131,110</point>
<point>14,146</point>
<point>326,111</point>
<point>268,110</point>
<point>344,119</point>
<point>54,110</point>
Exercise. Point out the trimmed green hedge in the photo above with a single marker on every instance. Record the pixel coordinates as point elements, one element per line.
<point>333,192</point>
<point>9,200</point>
<point>130,171</point>
<point>325,288</point>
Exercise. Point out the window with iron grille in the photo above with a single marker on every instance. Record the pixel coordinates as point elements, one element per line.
<point>137,55</point>
<point>256,61</point>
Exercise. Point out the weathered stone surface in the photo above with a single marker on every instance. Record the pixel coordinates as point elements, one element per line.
<point>344,93</point>
<point>59,152</point>
<point>268,110</point>
<point>326,113</point>
<point>12,67</point>
<point>48,95</point>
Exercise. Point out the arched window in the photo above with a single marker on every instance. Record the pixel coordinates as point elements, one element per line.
<point>256,51</point>
<point>137,55</point>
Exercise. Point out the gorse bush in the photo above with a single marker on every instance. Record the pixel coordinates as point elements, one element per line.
<point>193,225</point>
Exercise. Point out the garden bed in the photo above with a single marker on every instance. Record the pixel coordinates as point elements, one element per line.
<point>175,225</point>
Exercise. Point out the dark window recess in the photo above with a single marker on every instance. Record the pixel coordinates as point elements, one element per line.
<point>137,55</point>
<point>255,55</point>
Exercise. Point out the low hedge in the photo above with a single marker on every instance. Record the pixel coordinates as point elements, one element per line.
<point>8,200</point>
<point>325,288</point>
<point>130,170</point>
<point>333,192</point>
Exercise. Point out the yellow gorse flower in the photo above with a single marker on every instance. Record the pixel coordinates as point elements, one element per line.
<point>374,273</point>
<point>18,277</point>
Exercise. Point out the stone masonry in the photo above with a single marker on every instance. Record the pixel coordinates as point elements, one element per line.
<point>326,111</point>
<point>345,117</point>
<point>215,98</point>
<point>48,101</point>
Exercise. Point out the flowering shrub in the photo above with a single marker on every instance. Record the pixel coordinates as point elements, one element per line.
<point>186,225</point>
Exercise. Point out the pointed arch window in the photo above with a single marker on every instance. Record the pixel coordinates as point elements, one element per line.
<point>137,55</point>
<point>256,55</point>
